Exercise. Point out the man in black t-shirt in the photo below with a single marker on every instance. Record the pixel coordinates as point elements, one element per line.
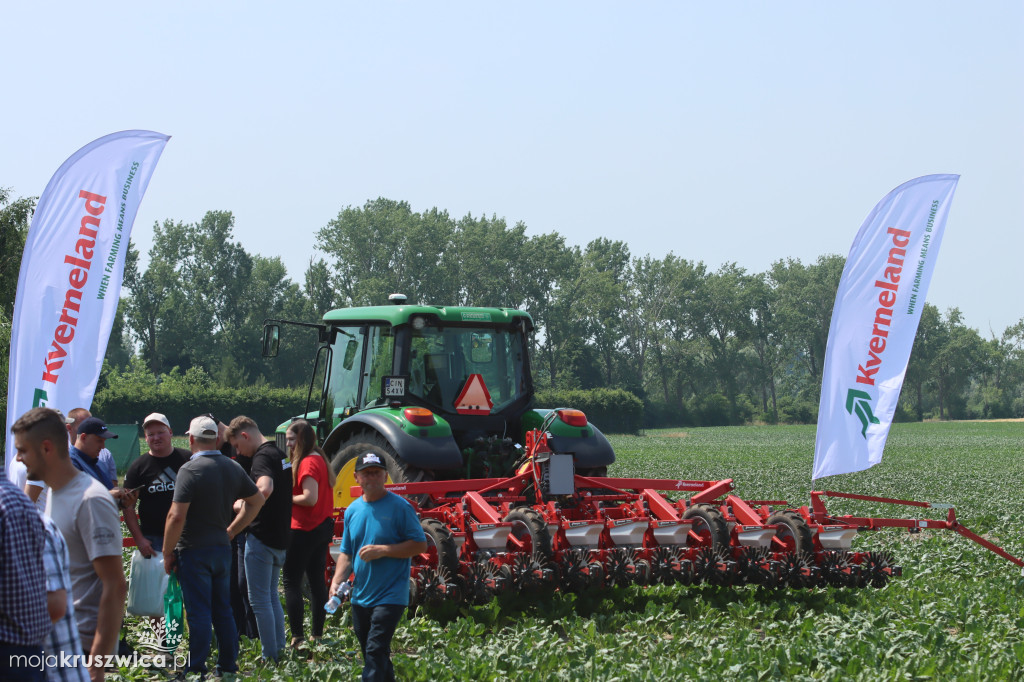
<point>269,534</point>
<point>154,475</point>
<point>245,619</point>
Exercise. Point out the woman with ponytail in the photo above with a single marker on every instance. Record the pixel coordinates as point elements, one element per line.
<point>312,529</point>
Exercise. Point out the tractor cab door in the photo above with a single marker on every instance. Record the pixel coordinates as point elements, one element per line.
<point>358,359</point>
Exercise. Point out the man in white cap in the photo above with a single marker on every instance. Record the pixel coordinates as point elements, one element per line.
<point>153,476</point>
<point>197,542</point>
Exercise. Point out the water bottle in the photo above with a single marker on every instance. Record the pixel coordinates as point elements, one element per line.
<point>343,591</point>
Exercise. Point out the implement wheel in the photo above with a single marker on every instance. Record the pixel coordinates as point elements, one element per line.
<point>344,464</point>
<point>441,542</point>
<point>708,529</point>
<point>529,534</point>
<point>793,534</point>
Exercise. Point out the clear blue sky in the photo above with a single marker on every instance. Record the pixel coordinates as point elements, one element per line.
<point>746,132</point>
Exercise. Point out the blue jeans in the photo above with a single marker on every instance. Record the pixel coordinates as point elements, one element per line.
<point>157,541</point>
<point>205,577</point>
<point>375,626</point>
<point>262,571</point>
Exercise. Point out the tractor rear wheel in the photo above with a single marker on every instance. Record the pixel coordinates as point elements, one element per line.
<point>709,525</point>
<point>440,538</point>
<point>529,533</point>
<point>344,464</point>
<point>793,534</point>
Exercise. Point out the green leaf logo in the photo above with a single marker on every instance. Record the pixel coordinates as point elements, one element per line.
<point>860,402</point>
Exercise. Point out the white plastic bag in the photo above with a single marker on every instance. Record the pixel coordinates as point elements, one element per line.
<point>147,583</point>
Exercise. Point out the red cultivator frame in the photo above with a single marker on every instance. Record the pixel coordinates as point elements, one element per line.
<point>547,527</point>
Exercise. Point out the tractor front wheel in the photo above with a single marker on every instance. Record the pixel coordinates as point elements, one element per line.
<point>344,465</point>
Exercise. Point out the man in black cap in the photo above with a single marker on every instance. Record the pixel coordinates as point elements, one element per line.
<point>85,453</point>
<point>382,534</point>
<point>106,460</point>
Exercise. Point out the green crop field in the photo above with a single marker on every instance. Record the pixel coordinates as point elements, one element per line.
<point>957,612</point>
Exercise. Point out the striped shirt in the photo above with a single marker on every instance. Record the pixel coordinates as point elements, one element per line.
<point>24,620</point>
<point>64,635</point>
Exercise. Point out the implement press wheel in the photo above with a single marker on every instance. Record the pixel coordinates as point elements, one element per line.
<point>793,534</point>
<point>529,533</point>
<point>441,542</point>
<point>709,528</point>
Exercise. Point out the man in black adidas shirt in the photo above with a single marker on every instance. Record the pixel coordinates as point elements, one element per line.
<point>154,474</point>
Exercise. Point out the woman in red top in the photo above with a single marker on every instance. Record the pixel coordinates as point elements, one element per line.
<point>312,529</point>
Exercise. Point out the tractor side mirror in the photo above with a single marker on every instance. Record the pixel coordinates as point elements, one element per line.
<point>271,340</point>
<point>351,348</point>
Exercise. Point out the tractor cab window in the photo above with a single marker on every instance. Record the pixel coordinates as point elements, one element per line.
<point>442,360</point>
<point>351,385</point>
<point>380,353</point>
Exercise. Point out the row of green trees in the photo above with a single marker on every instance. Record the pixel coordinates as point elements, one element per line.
<point>697,345</point>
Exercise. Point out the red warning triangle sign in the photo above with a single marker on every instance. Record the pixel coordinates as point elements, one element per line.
<point>474,398</point>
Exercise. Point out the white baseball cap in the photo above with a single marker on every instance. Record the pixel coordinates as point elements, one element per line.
<point>156,417</point>
<point>202,427</point>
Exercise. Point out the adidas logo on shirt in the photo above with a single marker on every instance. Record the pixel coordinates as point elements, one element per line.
<point>164,482</point>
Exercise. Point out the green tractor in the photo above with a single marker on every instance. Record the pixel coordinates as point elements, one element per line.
<point>439,393</point>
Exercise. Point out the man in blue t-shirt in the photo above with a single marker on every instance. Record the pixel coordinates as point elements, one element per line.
<point>382,534</point>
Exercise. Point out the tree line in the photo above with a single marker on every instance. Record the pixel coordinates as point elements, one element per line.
<point>696,345</point>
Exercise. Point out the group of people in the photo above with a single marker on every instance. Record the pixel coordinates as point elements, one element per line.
<point>230,515</point>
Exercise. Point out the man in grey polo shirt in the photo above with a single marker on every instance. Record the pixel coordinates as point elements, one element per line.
<point>197,542</point>
<point>87,517</point>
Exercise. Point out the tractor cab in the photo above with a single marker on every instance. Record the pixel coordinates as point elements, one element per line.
<point>438,392</point>
<point>469,365</point>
